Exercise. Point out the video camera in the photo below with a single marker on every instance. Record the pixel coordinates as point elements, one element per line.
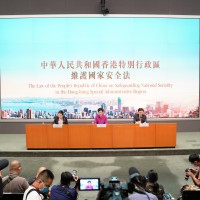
<point>114,190</point>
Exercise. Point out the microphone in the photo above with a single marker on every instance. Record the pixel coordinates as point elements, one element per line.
<point>3,163</point>
<point>133,172</point>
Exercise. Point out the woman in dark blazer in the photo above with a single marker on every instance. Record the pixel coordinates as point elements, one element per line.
<point>60,118</point>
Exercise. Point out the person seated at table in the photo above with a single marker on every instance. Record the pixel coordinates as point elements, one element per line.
<point>60,118</point>
<point>100,118</point>
<point>89,186</point>
<point>139,117</point>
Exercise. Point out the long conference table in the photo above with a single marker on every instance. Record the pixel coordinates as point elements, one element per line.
<point>89,136</point>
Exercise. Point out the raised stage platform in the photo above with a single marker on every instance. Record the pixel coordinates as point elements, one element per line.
<point>14,145</point>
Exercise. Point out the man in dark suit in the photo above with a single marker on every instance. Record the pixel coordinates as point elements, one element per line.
<point>60,118</point>
<point>140,117</point>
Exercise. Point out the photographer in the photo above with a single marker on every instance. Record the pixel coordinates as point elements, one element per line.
<point>137,187</point>
<point>64,191</point>
<point>194,173</point>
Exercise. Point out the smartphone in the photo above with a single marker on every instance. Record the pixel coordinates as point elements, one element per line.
<point>74,172</point>
<point>89,184</point>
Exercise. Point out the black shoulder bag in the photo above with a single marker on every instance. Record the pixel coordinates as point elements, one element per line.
<point>8,180</point>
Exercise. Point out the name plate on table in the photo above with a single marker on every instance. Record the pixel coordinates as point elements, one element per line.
<point>144,124</point>
<point>57,125</point>
<point>101,125</point>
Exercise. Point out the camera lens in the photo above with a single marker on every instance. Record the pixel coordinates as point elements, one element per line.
<point>186,176</point>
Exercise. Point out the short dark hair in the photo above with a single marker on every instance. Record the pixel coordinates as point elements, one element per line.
<point>61,112</point>
<point>66,178</point>
<point>140,109</point>
<point>138,184</point>
<point>152,176</point>
<point>143,181</point>
<point>194,157</point>
<point>100,109</point>
<point>45,175</point>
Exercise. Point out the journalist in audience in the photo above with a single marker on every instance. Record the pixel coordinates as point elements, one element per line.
<point>13,182</point>
<point>64,191</point>
<point>45,193</point>
<point>138,185</point>
<point>1,186</point>
<point>153,186</point>
<point>40,185</point>
<point>139,117</point>
<point>37,174</point>
<point>100,117</point>
<point>194,173</point>
<point>60,118</point>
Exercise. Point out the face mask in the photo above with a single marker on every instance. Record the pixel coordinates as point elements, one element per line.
<point>44,190</point>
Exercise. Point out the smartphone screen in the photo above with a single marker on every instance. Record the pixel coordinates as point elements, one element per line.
<point>89,184</point>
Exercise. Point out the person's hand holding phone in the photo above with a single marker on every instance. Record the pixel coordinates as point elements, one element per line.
<point>194,171</point>
<point>74,174</point>
<point>75,178</point>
